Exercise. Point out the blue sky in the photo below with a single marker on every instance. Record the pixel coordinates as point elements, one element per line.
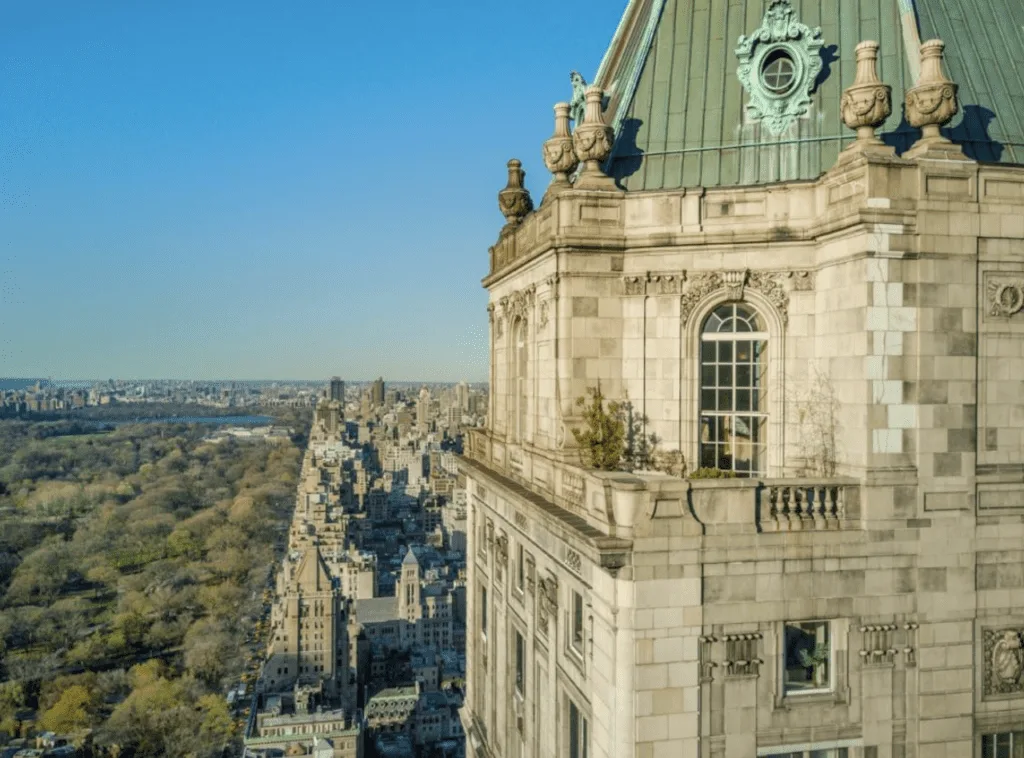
<point>259,190</point>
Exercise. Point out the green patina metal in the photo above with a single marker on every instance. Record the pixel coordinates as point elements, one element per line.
<point>680,112</point>
<point>778,66</point>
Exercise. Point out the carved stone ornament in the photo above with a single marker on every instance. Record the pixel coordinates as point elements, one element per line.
<point>559,154</point>
<point>573,561</point>
<point>501,549</point>
<point>542,318</point>
<point>547,602</point>
<point>1004,661</point>
<point>735,282</point>
<point>932,102</point>
<point>779,64</point>
<point>514,201</point>
<point>665,284</point>
<point>634,285</point>
<point>699,287</point>
<point>1005,297</point>
<point>592,141</point>
<point>867,103</point>
<point>519,303</point>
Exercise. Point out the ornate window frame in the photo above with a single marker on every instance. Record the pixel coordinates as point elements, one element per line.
<point>693,325</point>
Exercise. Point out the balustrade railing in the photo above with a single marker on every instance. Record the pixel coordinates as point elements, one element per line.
<point>795,506</point>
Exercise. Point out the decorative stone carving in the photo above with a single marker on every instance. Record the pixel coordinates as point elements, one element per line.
<point>519,303</point>
<point>741,654</point>
<point>634,285</point>
<point>699,287</point>
<point>770,286</point>
<point>707,666</point>
<point>665,284</point>
<point>514,201</point>
<point>1004,661</point>
<point>1005,296</point>
<point>520,519</point>
<point>573,561</point>
<point>802,281</point>
<point>878,649</point>
<point>501,548</point>
<point>932,102</point>
<point>867,103</point>
<point>592,141</point>
<point>577,105</point>
<point>531,573</point>
<point>734,282</point>
<point>779,64</point>
<point>547,602</point>
<point>559,154</point>
<point>910,651</point>
<point>542,319</point>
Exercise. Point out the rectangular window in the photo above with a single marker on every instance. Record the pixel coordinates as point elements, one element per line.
<point>483,611</point>
<point>520,665</point>
<point>807,657</point>
<point>576,640</point>
<point>578,737</point>
<point>1003,745</point>
<point>836,752</point>
<point>520,568</point>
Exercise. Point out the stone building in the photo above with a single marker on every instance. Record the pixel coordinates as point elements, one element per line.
<point>308,638</point>
<point>815,301</point>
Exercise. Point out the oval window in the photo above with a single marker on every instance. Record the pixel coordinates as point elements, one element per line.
<point>778,72</point>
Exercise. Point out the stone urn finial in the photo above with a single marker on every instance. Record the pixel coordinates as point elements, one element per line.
<point>867,103</point>
<point>931,103</point>
<point>559,155</point>
<point>592,141</point>
<point>514,201</point>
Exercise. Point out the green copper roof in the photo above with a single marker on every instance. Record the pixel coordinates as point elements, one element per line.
<point>680,111</point>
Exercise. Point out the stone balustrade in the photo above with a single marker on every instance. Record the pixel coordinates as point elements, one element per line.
<point>615,502</point>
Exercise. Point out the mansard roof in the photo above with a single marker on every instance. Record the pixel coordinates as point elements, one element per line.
<point>679,108</point>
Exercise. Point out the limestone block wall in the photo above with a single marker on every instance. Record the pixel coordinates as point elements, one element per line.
<point>539,610</point>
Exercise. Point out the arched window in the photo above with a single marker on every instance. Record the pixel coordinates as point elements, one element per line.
<point>519,386</point>
<point>733,391</point>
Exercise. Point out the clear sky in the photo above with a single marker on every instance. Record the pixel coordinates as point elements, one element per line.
<point>256,190</point>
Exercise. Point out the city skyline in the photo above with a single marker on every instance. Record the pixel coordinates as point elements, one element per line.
<point>204,162</point>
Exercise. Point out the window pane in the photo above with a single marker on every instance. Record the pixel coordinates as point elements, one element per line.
<point>707,351</point>
<point>707,375</point>
<point>725,400</point>
<point>713,323</point>
<point>743,351</point>
<point>807,656</point>
<point>725,352</point>
<point>725,376</point>
<point>744,376</point>
<point>707,400</point>
<point>743,400</point>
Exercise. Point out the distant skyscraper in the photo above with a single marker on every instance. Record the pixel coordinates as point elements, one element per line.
<point>377,392</point>
<point>337,391</point>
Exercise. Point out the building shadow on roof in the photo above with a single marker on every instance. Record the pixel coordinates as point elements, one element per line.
<point>829,55</point>
<point>627,156</point>
<point>972,134</point>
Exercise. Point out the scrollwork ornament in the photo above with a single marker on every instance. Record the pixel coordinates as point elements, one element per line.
<point>770,286</point>
<point>780,35</point>
<point>1006,298</point>
<point>699,287</point>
